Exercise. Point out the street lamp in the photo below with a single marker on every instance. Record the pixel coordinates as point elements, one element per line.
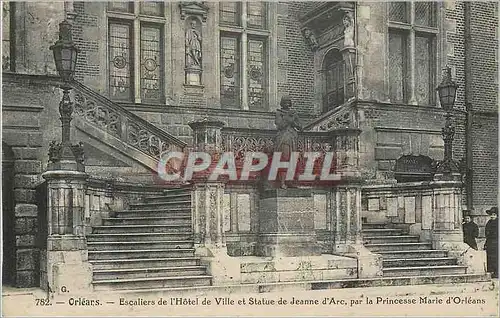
<point>447,91</point>
<point>65,57</point>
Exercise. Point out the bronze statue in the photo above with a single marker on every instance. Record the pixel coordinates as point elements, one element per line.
<point>288,124</point>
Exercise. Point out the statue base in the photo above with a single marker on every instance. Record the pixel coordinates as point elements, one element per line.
<point>286,223</point>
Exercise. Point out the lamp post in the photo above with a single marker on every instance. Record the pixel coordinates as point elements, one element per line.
<point>65,57</point>
<point>447,91</point>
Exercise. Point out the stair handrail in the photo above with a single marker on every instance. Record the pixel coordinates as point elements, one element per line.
<point>130,128</point>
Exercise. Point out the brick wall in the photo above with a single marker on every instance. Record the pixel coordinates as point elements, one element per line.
<point>296,61</point>
<point>484,87</point>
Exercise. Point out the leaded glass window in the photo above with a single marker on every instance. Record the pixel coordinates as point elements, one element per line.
<point>229,13</point>
<point>151,63</point>
<point>398,11</point>
<point>333,68</point>
<point>256,78</point>
<point>120,53</point>
<point>244,54</point>
<point>412,52</point>
<point>121,6</point>
<point>397,66</point>
<point>6,43</point>
<point>230,71</point>
<point>136,51</point>
<point>256,14</point>
<point>425,13</point>
<point>424,66</point>
<point>152,8</point>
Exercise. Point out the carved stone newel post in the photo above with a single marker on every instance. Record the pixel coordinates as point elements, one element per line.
<point>207,194</point>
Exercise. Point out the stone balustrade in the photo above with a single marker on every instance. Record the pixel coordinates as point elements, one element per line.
<point>118,122</point>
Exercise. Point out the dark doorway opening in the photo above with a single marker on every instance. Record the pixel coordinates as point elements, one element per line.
<point>8,217</point>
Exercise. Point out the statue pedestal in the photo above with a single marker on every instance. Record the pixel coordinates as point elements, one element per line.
<point>193,76</point>
<point>286,224</point>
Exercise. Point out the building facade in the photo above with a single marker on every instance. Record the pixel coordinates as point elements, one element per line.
<point>151,68</point>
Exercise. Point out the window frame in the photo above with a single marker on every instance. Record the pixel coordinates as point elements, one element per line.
<point>244,32</point>
<point>136,19</point>
<point>342,82</point>
<point>413,30</point>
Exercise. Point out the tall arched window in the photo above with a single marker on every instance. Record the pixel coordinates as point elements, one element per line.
<point>334,69</point>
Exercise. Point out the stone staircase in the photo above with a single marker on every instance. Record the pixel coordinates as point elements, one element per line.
<point>148,246</point>
<point>404,255</point>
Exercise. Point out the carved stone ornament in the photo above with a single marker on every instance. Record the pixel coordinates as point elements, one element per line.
<point>55,150</point>
<point>310,39</point>
<point>193,8</point>
<point>341,121</point>
<point>348,22</point>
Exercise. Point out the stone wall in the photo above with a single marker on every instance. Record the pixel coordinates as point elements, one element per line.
<point>21,132</point>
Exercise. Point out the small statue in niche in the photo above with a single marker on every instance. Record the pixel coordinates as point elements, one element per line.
<point>348,22</point>
<point>310,38</point>
<point>193,46</point>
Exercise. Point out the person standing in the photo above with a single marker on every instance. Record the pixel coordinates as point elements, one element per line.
<point>491,244</point>
<point>471,231</point>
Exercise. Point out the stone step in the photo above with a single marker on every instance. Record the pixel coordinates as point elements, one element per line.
<point>136,237</point>
<point>150,272</point>
<point>160,205</point>
<point>168,197</point>
<point>130,245</point>
<point>423,261</point>
<point>174,219</point>
<point>413,254</point>
<point>135,263</point>
<point>153,282</point>
<point>398,246</point>
<point>374,225</point>
<point>401,281</point>
<point>178,190</point>
<point>180,211</point>
<point>146,228</point>
<point>381,232</point>
<point>144,253</point>
<point>424,270</point>
<point>391,239</point>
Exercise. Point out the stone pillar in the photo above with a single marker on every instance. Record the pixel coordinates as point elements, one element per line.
<point>346,205</point>
<point>446,230</point>
<point>286,223</point>
<point>67,254</point>
<point>346,147</point>
<point>346,217</point>
<point>207,210</point>
<point>349,55</point>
